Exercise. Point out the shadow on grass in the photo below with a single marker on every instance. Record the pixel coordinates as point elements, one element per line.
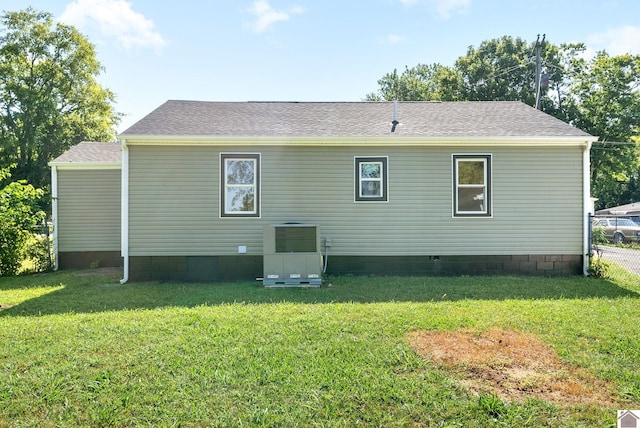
<point>96,293</point>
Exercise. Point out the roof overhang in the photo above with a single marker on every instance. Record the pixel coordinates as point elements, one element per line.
<point>207,140</point>
<point>86,165</point>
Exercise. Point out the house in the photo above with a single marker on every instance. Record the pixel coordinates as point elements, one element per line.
<point>394,188</point>
<point>631,211</point>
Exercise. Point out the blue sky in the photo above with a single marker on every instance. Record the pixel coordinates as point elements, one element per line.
<point>310,50</point>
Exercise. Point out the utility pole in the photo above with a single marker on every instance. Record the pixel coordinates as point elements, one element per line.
<point>538,69</point>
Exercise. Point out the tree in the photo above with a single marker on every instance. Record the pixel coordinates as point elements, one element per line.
<point>499,69</point>
<point>420,83</point>
<point>19,214</point>
<point>49,97</point>
<point>603,100</point>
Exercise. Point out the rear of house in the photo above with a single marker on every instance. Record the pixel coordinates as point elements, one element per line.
<point>452,188</point>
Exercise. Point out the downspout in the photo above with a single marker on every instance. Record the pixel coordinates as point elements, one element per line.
<point>586,192</point>
<point>54,214</point>
<point>124,212</point>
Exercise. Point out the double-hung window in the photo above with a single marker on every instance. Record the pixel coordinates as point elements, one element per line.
<point>371,179</point>
<point>240,185</point>
<point>472,185</point>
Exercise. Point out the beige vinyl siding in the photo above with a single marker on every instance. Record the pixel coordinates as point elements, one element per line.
<point>88,210</point>
<point>537,201</point>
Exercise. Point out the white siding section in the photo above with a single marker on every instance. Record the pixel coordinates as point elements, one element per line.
<point>537,201</point>
<point>88,210</point>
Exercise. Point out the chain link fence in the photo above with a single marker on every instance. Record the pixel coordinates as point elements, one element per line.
<point>616,238</point>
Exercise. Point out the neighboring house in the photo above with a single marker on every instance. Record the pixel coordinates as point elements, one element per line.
<point>395,188</point>
<point>631,211</point>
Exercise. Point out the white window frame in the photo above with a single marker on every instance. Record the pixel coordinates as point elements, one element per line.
<point>487,186</point>
<point>358,161</point>
<point>225,186</point>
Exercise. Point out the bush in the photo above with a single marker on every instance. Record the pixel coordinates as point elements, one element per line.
<point>19,215</point>
<point>37,251</point>
<point>599,268</point>
<point>598,236</point>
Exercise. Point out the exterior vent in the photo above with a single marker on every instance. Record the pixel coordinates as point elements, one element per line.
<point>292,255</point>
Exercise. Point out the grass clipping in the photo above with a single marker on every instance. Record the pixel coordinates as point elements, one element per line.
<point>512,365</point>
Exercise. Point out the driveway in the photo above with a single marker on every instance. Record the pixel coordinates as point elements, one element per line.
<point>626,257</point>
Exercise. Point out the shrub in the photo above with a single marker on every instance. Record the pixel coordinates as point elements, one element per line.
<point>19,215</point>
<point>598,236</point>
<point>37,251</point>
<point>599,268</point>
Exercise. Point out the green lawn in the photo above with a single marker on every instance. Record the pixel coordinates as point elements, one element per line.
<point>87,351</point>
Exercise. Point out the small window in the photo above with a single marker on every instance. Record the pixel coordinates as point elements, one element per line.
<point>472,185</point>
<point>371,179</point>
<point>240,185</point>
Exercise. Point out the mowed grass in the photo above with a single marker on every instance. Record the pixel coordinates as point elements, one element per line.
<point>87,351</point>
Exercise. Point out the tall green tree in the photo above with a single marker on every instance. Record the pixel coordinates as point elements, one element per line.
<point>603,100</point>
<point>423,82</point>
<point>499,70</point>
<point>50,99</point>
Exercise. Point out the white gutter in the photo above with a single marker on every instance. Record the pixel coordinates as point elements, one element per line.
<point>351,141</point>
<point>86,165</point>
<point>54,214</point>
<point>124,212</point>
<point>586,196</point>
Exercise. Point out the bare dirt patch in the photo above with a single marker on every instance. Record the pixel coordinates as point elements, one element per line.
<point>512,365</point>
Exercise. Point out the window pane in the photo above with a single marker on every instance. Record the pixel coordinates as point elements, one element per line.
<point>371,170</point>
<point>625,222</point>
<point>471,172</point>
<point>471,199</point>
<point>371,188</point>
<point>370,179</point>
<point>240,200</point>
<point>240,185</point>
<point>240,171</point>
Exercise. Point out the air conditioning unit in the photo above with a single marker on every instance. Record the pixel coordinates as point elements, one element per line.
<point>292,255</point>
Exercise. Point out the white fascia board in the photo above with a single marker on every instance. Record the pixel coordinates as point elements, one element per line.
<point>197,140</point>
<point>86,165</point>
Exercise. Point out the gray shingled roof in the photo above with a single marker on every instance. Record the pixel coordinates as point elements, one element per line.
<point>633,207</point>
<point>91,152</point>
<point>350,119</point>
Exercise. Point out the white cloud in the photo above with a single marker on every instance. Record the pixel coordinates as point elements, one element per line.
<point>617,41</point>
<point>266,16</point>
<point>394,38</point>
<point>114,18</point>
<point>447,8</point>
